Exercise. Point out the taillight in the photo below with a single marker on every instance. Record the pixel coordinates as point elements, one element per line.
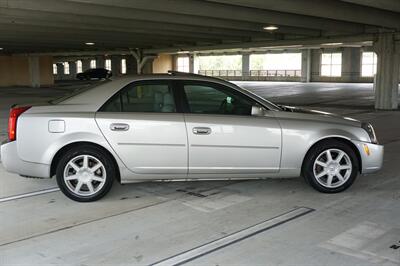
<point>12,121</point>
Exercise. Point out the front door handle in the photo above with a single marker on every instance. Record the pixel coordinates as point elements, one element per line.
<point>119,127</point>
<point>202,130</point>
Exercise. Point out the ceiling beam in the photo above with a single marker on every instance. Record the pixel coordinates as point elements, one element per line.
<point>227,11</point>
<point>330,9</point>
<point>391,5</point>
<point>187,12</point>
<point>86,11</point>
<point>131,32</point>
<point>98,23</point>
<point>82,36</point>
<point>68,41</point>
<point>297,43</point>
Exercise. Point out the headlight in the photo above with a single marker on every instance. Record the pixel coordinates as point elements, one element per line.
<point>371,132</point>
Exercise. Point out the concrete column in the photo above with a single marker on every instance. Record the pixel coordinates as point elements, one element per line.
<point>116,65</point>
<point>315,65</point>
<point>387,77</point>
<point>174,62</point>
<point>60,71</point>
<point>34,71</point>
<point>85,64</point>
<point>245,66</point>
<point>306,65</point>
<point>72,69</point>
<point>356,64</point>
<point>100,62</point>
<point>131,65</point>
<point>148,66</point>
<point>191,63</point>
<point>351,64</point>
<point>196,64</point>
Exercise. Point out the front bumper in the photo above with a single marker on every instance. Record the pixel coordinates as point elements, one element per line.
<point>373,161</point>
<point>12,163</point>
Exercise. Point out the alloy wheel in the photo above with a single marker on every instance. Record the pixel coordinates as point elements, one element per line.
<point>84,175</point>
<point>332,168</point>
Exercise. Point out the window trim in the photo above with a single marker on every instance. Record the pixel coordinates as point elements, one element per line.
<point>374,66</point>
<point>331,65</point>
<point>66,68</point>
<point>171,84</point>
<point>184,67</point>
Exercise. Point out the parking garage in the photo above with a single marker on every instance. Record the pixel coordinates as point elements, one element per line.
<point>339,56</point>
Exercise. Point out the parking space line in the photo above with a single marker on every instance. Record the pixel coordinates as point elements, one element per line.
<point>82,223</point>
<point>233,238</point>
<point>29,194</point>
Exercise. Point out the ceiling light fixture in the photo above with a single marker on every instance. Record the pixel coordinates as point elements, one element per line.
<point>1,48</point>
<point>89,43</point>
<point>271,28</point>
<point>333,43</point>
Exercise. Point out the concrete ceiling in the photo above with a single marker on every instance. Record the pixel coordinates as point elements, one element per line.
<point>42,26</point>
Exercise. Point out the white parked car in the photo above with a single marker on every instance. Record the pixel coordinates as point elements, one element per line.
<point>181,126</point>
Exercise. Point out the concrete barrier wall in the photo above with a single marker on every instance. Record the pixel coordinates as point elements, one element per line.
<point>16,70</point>
<point>163,63</point>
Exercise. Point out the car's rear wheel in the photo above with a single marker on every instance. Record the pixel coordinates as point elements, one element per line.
<point>85,173</point>
<point>331,166</point>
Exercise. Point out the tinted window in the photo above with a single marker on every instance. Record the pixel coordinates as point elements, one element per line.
<point>210,99</point>
<point>155,97</point>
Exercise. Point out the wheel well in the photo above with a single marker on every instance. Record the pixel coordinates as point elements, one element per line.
<point>58,155</point>
<point>343,140</point>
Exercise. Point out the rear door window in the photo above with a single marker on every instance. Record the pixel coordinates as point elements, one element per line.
<point>154,96</point>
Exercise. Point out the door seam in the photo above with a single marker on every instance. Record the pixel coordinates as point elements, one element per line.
<point>187,141</point>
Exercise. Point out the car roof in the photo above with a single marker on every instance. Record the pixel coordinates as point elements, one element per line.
<point>95,97</point>
<point>172,75</point>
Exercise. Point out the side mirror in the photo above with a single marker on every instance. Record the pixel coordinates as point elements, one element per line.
<point>257,111</point>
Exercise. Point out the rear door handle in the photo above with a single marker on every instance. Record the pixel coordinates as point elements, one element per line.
<point>202,130</point>
<point>119,127</point>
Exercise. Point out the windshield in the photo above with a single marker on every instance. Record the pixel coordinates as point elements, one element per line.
<point>268,103</point>
<point>77,91</point>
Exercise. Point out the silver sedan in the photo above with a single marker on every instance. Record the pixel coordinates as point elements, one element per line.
<point>180,126</point>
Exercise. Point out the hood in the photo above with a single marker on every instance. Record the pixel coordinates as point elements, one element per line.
<point>320,115</point>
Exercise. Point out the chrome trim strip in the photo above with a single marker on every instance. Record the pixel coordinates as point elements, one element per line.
<point>151,144</point>
<point>235,146</point>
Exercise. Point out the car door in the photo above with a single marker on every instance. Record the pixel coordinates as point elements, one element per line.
<point>223,136</point>
<point>142,125</point>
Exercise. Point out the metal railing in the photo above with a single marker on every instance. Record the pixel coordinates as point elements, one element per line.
<point>275,73</point>
<point>221,73</point>
<point>252,73</point>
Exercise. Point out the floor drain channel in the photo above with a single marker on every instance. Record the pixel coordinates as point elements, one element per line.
<point>233,238</point>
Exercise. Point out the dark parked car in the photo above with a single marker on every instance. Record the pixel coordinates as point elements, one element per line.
<point>94,73</point>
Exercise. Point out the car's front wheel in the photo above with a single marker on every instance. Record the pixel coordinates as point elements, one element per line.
<point>331,166</point>
<point>85,173</point>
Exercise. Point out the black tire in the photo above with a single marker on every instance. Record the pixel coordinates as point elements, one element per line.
<point>315,152</point>
<point>93,152</point>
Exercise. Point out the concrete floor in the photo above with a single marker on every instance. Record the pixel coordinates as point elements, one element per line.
<point>258,222</point>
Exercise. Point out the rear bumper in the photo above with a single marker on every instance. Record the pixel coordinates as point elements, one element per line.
<point>373,161</point>
<point>12,163</point>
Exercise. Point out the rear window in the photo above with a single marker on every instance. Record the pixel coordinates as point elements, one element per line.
<point>77,91</point>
